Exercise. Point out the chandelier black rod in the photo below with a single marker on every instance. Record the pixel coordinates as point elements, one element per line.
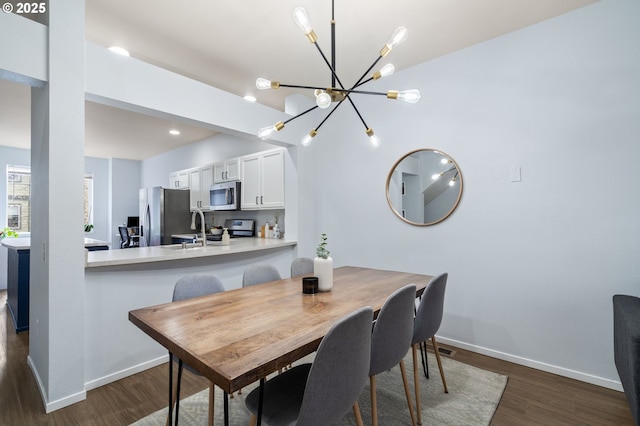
<point>358,112</point>
<point>362,92</point>
<point>300,115</point>
<point>328,115</point>
<point>333,71</point>
<point>358,83</point>
<point>333,44</point>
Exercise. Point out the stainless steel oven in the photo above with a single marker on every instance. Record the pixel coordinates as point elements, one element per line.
<point>225,196</point>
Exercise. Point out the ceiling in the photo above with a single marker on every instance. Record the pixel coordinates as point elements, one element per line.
<point>228,44</point>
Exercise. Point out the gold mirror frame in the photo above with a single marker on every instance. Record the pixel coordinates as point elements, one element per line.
<point>413,171</point>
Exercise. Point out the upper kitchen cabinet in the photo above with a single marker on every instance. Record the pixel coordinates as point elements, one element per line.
<point>200,180</point>
<point>179,180</point>
<point>262,177</point>
<point>225,171</point>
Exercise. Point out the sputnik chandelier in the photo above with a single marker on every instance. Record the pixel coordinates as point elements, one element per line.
<point>334,96</point>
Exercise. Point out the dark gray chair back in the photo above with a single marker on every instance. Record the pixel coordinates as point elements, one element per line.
<point>626,348</point>
<point>393,330</point>
<point>259,273</point>
<point>125,240</point>
<point>301,266</point>
<point>430,310</point>
<point>339,372</point>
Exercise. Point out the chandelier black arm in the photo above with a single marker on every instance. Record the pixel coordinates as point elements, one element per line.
<point>300,115</point>
<point>363,82</point>
<point>328,115</point>
<point>295,86</point>
<point>346,92</point>
<point>358,112</point>
<point>365,92</point>
<point>367,72</point>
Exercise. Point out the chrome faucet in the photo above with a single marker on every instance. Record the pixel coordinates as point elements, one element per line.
<point>193,225</point>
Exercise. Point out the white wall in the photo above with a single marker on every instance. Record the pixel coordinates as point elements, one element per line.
<point>532,265</point>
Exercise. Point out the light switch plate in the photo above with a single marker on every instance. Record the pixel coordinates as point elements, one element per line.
<point>516,174</point>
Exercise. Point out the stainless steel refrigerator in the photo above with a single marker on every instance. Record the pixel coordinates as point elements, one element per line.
<point>163,212</point>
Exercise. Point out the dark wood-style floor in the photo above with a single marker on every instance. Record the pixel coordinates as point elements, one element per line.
<point>531,397</point>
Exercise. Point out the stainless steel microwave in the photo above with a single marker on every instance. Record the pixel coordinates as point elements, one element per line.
<point>225,196</point>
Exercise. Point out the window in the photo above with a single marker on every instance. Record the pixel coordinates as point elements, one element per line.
<point>13,216</point>
<point>19,198</point>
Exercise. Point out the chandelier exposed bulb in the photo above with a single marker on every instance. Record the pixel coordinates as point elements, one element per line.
<point>411,96</point>
<point>266,132</point>
<point>264,84</point>
<point>398,36</point>
<point>437,176</point>
<point>452,181</point>
<point>301,18</point>
<point>373,139</point>
<point>385,71</point>
<point>306,141</point>
<point>323,99</point>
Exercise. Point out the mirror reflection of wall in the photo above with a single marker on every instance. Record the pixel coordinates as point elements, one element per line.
<point>424,187</point>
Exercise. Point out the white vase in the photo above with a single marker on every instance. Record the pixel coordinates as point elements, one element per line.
<point>323,269</point>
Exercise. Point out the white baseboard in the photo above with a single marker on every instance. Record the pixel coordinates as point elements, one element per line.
<point>50,406</point>
<point>101,381</point>
<point>560,371</point>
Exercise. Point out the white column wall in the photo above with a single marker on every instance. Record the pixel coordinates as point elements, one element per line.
<point>56,336</point>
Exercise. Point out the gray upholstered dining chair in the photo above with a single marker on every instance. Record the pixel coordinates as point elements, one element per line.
<point>390,342</point>
<point>301,266</point>
<point>321,393</point>
<point>188,287</point>
<point>259,273</point>
<point>426,325</point>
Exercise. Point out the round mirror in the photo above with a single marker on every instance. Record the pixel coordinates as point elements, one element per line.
<point>424,187</point>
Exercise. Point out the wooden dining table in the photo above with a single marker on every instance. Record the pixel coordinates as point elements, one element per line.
<point>237,337</point>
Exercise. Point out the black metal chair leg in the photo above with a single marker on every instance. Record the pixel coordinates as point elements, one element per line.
<point>423,354</point>
<point>170,414</point>
<point>180,366</point>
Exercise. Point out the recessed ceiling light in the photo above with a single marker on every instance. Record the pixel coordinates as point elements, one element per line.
<point>250,98</point>
<point>119,50</point>
<point>174,132</point>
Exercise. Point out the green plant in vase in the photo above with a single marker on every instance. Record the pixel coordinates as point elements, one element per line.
<point>322,251</point>
<point>323,265</point>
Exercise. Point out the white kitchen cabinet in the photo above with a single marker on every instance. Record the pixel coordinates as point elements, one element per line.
<point>179,180</point>
<point>200,180</point>
<point>262,177</point>
<point>225,171</point>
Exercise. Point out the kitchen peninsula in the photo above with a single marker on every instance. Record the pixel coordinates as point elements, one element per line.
<point>119,281</point>
<point>18,255</point>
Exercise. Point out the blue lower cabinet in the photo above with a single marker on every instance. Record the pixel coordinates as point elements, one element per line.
<point>18,288</point>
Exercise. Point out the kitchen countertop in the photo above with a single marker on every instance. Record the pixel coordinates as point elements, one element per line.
<point>24,243</point>
<point>175,252</point>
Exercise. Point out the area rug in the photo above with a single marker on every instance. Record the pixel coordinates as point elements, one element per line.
<point>473,397</point>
